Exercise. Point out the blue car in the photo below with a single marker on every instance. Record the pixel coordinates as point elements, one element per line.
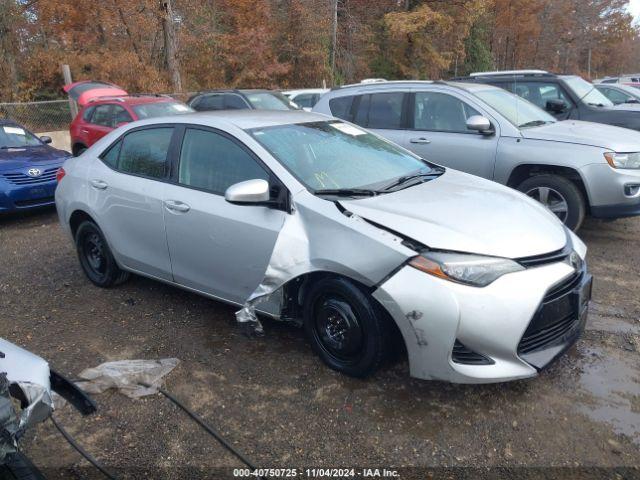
<point>28,167</point>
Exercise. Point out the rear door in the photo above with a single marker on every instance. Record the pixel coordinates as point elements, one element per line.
<point>217,247</point>
<point>126,190</point>
<point>438,132</point>
<point>100,124</point>
<point>382,112</point>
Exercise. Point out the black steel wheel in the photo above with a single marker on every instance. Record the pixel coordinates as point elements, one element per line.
<point>95,257</point>
<point>346,327</point>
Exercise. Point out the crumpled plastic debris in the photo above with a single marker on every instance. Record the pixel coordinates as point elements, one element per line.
<point>9,424</point>
<point>290,257</point>
<point>126,376</point>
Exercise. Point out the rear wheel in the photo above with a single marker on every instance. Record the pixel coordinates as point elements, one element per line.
<point>558,194</point>
<point>95,257</point>
<point>346,327</point>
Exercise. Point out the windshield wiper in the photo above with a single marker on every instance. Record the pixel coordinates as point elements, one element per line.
<point>534,123</point>
<point>435,172</point>
<point>348,192</point>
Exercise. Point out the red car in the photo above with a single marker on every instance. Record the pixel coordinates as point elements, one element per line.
<point>104,107</point>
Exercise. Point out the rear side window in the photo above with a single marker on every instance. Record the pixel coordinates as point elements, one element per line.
<point>144,152</point>
<point>381,110</point>
<point>306,100</point>
<point>102,116</point>
<point>235,102</point>
<point>213,162</point>
<point>341,107</point>
<point>120,115</point>
<point>110,157</point>
<point>209,102</point>
<point>86,116</point>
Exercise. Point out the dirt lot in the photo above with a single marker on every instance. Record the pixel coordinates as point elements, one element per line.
<point>274,400</point>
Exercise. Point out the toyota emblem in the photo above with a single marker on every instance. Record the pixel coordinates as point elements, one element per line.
<point>34,172</point>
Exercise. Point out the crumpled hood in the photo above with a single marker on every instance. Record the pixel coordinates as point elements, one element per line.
<point>13,158</point>
<point>464,213</point>
<point>587,133</point>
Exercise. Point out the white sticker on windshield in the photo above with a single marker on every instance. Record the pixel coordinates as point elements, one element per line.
<point>14,130</point>
<point>348,129</point>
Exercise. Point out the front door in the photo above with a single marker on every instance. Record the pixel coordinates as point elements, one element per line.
<point>126,190</point>
<point>438,133</point>
<point>217,247</point>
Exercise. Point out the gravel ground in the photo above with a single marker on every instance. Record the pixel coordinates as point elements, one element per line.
<point>275,401</point>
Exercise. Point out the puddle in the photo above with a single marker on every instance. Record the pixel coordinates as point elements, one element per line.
<point>612,381</point>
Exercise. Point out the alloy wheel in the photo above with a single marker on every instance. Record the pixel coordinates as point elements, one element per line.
<point>552,199</point>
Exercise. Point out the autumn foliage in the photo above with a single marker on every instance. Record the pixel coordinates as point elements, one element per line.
<point>288,43</point>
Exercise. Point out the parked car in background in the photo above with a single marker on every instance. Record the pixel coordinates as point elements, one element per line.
<point>305,98</point>
<point>633,78</point>
<point>620,93</point>
<point>574,168</point>
<point>563,96</point>
<point>102,114</point>
<point>28,167</point>
<point>482,284</point>
<point>212,100</point>
<point>84,91</point>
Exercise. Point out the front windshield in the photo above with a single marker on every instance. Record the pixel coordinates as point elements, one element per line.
<point>587,92</point>
<point>337,155</point>
<point>270,101</point>
<point>517,110</point>
<point>148,110</point>
<point>13,136</point>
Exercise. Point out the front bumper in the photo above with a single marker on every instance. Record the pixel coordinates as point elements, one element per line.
<point>23,197</point>
<point>493,321</point>
<point>613,193</point>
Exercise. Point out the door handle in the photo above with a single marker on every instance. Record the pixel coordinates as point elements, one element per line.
<point>84,131</point>
<point>177,206</point>
<point>420,140</point>
<point>99,184</point>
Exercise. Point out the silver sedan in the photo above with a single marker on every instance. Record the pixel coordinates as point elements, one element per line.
<point>307,218</point>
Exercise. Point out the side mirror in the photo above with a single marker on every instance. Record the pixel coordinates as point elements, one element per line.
<point>479,124</point>
<point>45,139</point>
<point>556,105</point>
<point>632,100</point>
<point>121,124</point>
<point>248,192</point>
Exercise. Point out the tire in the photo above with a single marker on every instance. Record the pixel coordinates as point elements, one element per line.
<point>19,467</point>
<point>347,329</point>
<point>562,197</point>
<point>78,150</point>
<point>95,257</point>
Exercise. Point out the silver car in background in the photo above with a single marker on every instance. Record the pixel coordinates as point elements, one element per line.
<point>574,168</point>
<point>359,240</point>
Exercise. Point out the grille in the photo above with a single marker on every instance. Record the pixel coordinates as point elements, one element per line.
<point>19,178</point>
<point>466,356</point>
<point>37,201</point>
<point>539,339</point>
<point>545,258</point>
<point>542,330</point>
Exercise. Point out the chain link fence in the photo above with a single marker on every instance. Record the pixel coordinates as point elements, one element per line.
<point>43,116</point>
<point>52,115</point>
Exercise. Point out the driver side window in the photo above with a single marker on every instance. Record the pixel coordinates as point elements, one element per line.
<point>440,112</point>
<point>213,162</point>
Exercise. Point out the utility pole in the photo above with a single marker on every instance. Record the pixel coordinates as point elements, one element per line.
<point>170,53</point>
<point>66,73</point>
<point>334,38</point>
<point>589,63</point>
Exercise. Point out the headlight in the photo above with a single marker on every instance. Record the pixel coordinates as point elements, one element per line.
<point>623,160</point>
<point>475,270</point>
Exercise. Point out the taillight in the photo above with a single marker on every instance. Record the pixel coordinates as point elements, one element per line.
<point>60,174</point>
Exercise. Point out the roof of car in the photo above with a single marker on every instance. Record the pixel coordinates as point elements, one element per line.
<point>468,86</point>
<point>131,99</point>
<point>248,119</point>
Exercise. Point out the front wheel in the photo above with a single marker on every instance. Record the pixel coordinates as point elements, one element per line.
<point>346,327</point>
<point>558,194</point>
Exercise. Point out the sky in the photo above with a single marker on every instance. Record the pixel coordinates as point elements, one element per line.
<point>634,8</point>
